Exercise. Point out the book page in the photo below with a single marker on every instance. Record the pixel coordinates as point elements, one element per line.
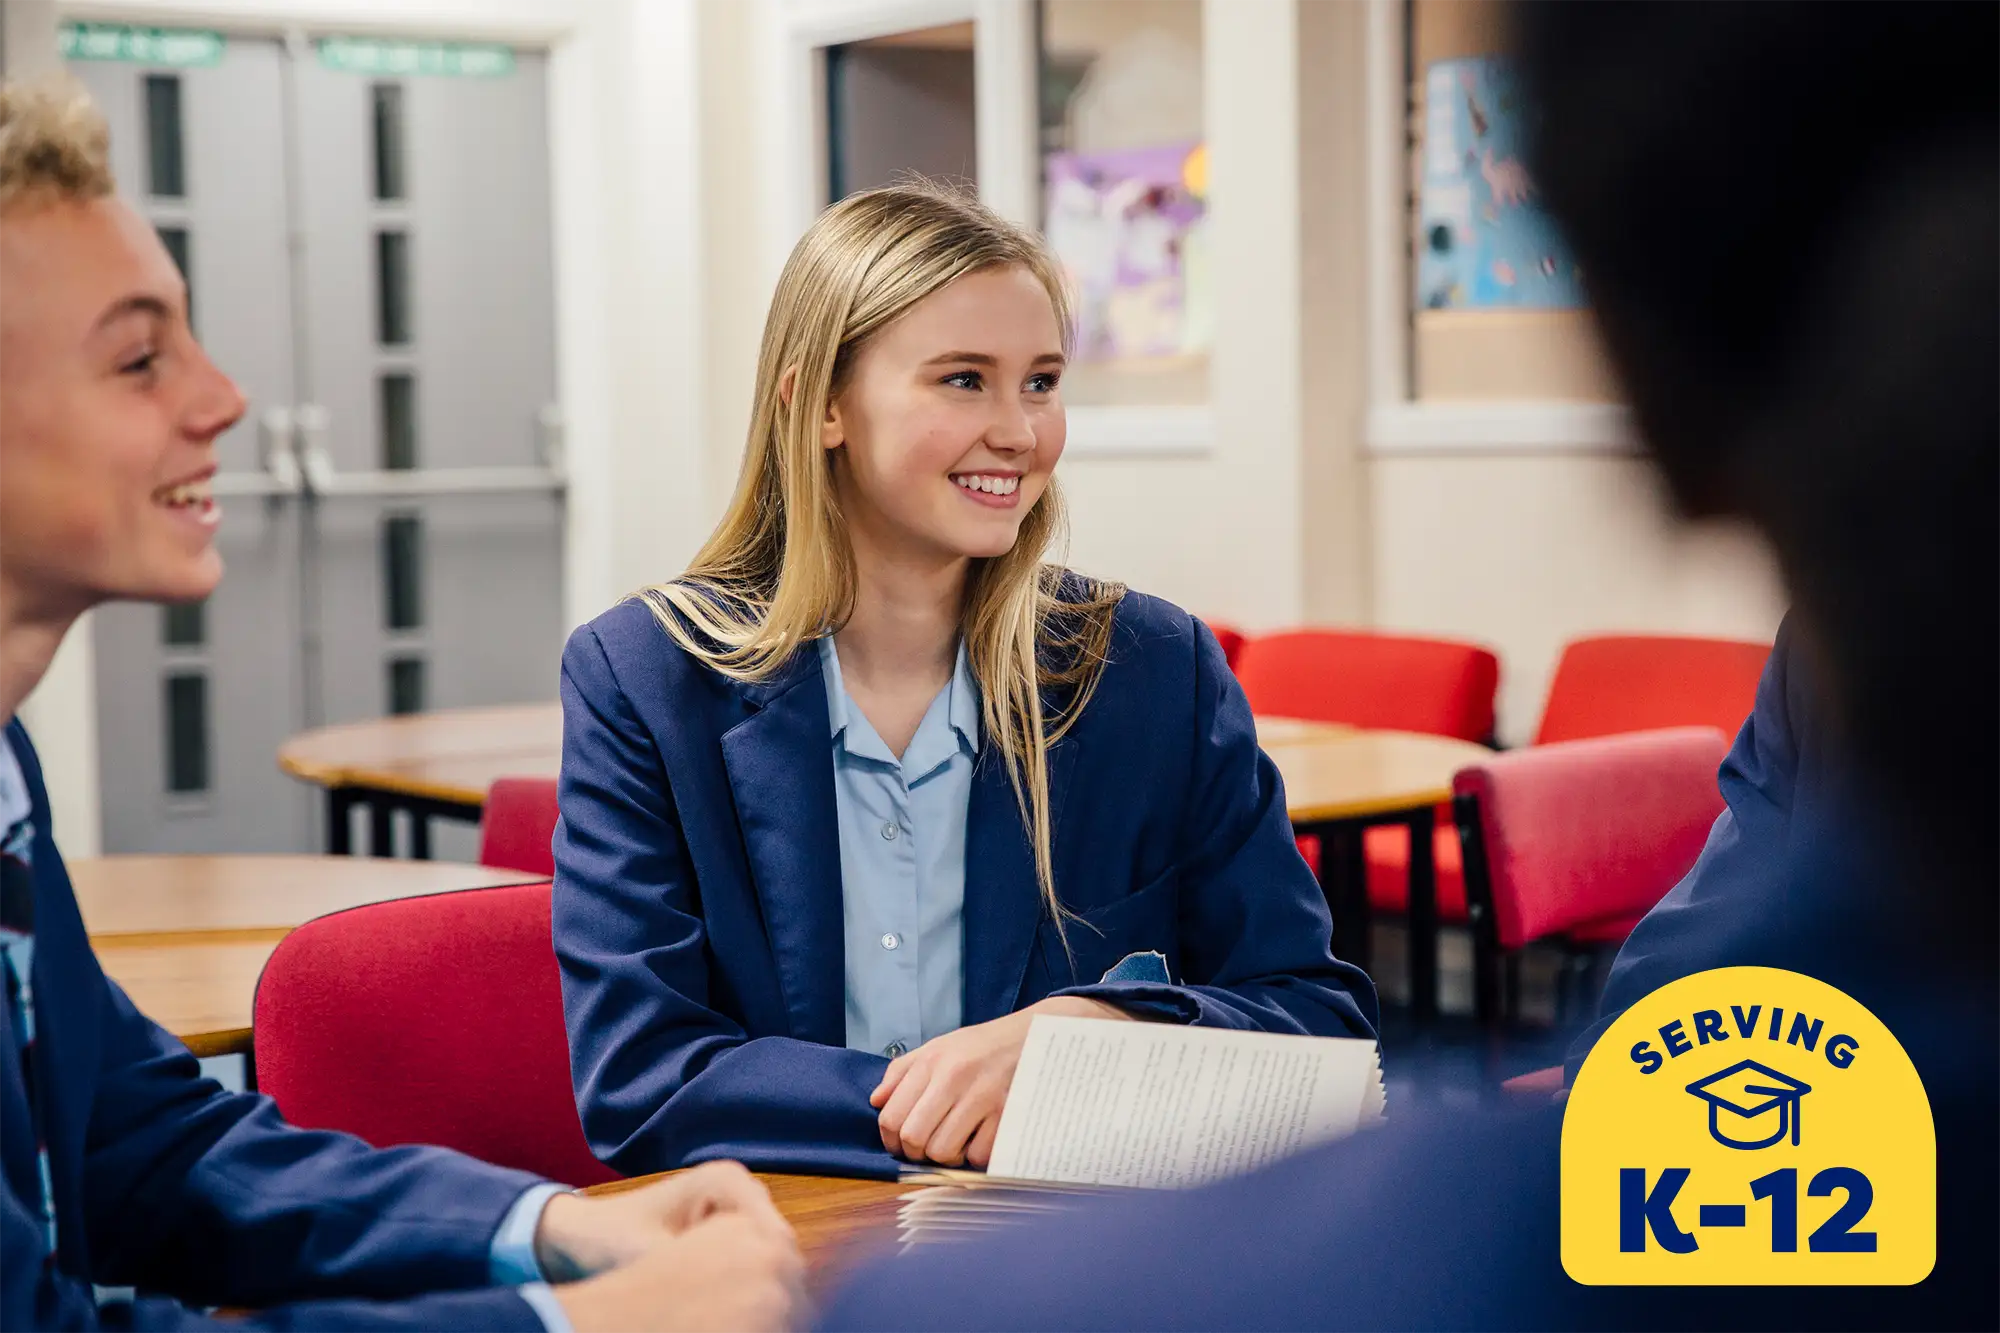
<point>1148,1104</point>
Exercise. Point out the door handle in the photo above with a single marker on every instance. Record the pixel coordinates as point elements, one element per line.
<point>322,479</point>
<point>277,451</point>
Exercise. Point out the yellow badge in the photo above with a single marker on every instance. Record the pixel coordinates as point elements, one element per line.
<point>1748,1127</point>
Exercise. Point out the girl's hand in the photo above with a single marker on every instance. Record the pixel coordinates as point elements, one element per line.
<point>942,1102</point>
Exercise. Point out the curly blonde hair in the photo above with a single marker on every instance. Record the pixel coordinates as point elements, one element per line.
<point>54,144</point>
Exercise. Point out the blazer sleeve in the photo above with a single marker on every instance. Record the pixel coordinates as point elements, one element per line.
<point>209,1194</point>
<point>34,1293</point>
<point>1256,935</point>
<point>1696,926</point>
<point>664,1078</point>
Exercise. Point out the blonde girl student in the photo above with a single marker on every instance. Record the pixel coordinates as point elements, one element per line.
<point>873,783</point>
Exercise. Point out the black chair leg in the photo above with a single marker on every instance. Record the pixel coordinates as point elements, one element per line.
<point>1485,981</point>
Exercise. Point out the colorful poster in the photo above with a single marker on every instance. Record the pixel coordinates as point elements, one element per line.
<point>1483,240</point>
<point>1130,227</point>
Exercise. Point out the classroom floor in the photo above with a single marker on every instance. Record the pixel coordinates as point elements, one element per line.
<point>1452,1061</point>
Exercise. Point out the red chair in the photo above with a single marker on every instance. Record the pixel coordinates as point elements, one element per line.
<point>1617,683</point>
<point>428,1020</point>
<point>1231,640</point>
<point>1390,682</point>
<point>518,825</point>
<point>1603,686</point>
<point>1381,681</point>
<point>1574,842</point>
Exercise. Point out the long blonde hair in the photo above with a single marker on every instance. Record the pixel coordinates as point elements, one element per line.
<point>778,571</point>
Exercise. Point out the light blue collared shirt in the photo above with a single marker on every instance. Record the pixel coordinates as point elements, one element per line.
<point>902,861</point>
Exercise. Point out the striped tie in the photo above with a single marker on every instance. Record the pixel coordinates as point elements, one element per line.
<point>17,962</point>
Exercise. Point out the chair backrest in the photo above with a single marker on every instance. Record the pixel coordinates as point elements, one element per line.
<point>428,1020</point>
<point>1373,680</point>
<point>1616,683</point>
<point>518,826</point>
<point>1231,641</point>
<point>1558,835</point>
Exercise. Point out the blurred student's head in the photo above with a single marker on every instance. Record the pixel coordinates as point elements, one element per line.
<point>109,409</point>
<point>1787,215</point>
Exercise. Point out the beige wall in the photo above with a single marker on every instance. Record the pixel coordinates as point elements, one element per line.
<point>1523,553</point>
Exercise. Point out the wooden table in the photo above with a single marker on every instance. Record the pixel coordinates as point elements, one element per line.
<point>427,765</point>
<point>1339,781</point>
<point>839,1221</point>
<point>1339,786</point>
<point>188,936</point>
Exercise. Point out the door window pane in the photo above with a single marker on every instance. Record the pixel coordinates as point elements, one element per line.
<point>1125,195</point>
<point>898,105</point>
<point>175,239</point>
<point>406,685</point>
<point>187,732</point>
<point>165,178</point>
<point>399,421</point>
<point>402,571</point>
<point>387,102</point>
<point>392,287</point>
<point>184,625</point>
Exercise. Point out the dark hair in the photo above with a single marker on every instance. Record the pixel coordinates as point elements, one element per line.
<point>1788,216</point>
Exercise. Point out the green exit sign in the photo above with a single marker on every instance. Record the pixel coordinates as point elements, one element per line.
<point>365,55</point>
<point>140,46</point>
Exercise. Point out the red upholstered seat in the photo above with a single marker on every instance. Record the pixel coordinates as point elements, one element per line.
<point>1388,852</point>
<point>428,1020</point>
<point>1231,641</point>
<point>1641,682</point>
<point>1603,686</point>
<point>1610,930</point>
<point>1579,839</point>
<point>1382,681</point>
<point>518,825</point>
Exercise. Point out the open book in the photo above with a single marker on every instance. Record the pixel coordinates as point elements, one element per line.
<point>1098,1104</point>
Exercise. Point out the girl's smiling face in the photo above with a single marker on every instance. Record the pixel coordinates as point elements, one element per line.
<point>951,419</point>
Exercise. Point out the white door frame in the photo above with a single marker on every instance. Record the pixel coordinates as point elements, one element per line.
<point>1006,152</point>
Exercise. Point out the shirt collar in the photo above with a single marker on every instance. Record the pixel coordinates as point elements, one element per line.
<point>962,708</point>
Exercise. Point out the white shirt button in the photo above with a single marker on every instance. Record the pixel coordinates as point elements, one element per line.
<point>892,941</point>
<point>890,831</point>
<point>894,1049</point>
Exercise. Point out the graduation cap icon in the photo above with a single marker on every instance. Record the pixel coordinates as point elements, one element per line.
<point>1742,1096</point>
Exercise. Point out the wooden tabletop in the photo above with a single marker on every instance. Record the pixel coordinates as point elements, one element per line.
<point>188,936</point>
<point>1330,772</point>
<point>452,755</point>
<point>840,1222</point>
<point>1363,773</point>
<point>178,895</point>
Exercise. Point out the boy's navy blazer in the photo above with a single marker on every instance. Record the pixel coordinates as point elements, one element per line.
<point>698,894</point>
<point>165,1182</point>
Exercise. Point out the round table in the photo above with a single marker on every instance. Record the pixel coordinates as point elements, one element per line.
<point>1339,781</point>
<point>188,936</point>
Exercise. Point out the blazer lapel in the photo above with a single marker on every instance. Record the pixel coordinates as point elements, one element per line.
<point>780,765</point>
<point>1003,903</point>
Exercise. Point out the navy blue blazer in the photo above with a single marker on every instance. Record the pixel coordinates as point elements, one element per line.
<point>1777,780</point>
<point>197,1196</point>
<point>698,896</point>
<point>1451,1219</point>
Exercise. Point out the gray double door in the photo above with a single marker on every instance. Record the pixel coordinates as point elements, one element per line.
<point>369,257</point>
